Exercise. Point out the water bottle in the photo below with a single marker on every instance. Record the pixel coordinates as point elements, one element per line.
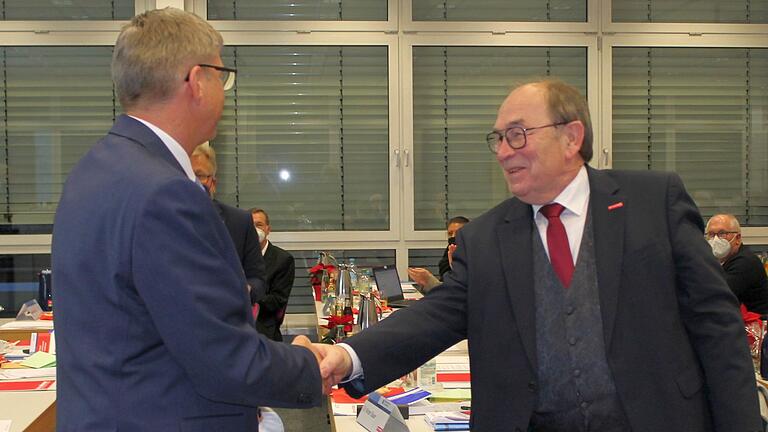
<point>353,273</point>
<point>427,375</point>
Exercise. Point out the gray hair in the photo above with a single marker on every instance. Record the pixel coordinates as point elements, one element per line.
<point>205,150</point>
<point>155,51</point>
<point>566,104</point>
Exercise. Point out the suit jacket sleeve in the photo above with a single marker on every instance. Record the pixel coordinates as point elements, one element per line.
<point>190,280</point>
<point>444,266</point>
<point>742,274</point>
<point>253,262</point>
<point>710,314</point>
<point>281,283</point>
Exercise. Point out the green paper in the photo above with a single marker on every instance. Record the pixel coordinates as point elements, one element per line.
<point>39,360</point>
<point>451,395</point>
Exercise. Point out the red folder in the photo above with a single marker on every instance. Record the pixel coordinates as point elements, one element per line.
<point>453,377</point>
<point>25,385</point>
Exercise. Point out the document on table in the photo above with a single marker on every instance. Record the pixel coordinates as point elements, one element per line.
<point>9,374</point>
<point>20,325</point>
<point>39,360</point>
<point>5,425</point>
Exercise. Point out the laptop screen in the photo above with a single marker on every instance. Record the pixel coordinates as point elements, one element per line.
<point>388,282</point>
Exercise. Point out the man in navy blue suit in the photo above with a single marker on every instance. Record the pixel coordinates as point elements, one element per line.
<point>237,221</point>
<point>153,323</point>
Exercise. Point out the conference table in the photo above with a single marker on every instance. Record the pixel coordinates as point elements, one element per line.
<point>29,411</point>
<point>348,423</point>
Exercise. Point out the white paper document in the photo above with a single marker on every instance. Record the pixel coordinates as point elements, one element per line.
<point>7,374</point>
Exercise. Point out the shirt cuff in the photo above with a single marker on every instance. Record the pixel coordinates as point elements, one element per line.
<point>357,368</point>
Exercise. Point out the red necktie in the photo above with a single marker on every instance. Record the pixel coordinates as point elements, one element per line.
<point>557,243</point>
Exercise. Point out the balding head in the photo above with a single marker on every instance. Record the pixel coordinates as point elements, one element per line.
<point>726,227</point>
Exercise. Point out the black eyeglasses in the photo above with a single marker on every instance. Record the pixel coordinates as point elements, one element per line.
<point>227,75</point>
<point>516,136</point>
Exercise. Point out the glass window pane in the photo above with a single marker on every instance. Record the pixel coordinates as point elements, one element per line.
<point>310,10</point>
<point>456,94</point>
<point>696,111</point>
<point>58,101</point>
<point>683,11</point>
<point>500,10</point>
<point>305,135</point>
<point>18,280</point>
<point>67,10</point>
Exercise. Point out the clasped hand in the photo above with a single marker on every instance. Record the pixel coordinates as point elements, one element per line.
<point>334,362</point>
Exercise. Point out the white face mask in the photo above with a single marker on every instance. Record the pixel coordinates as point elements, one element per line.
<point>720,247</point>
<point>262,234</point>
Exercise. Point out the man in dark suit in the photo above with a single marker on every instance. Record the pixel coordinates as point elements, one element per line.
<point>744,272</point>
<point>237,221</point>
<point>281,271</point>
<point>153,328</point>
<point>639,333</point>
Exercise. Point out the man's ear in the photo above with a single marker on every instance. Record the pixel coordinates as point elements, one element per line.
<point>194,83</point>
<point>574,134</point>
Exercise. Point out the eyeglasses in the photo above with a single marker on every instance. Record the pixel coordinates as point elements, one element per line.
<point>516,136</point>
<point>227,75</point>
<point>721,234</point>
<point>203,177</point>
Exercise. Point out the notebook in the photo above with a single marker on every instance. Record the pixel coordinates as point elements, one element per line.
<point>388,283</point>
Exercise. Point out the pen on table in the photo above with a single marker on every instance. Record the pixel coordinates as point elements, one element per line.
<point>466,409</point>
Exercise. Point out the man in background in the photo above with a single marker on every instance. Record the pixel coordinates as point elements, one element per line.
<point>281,271</point>
<point>590,300</point>
<point>153,327</point>
<point>237,221</point>
<point>744,272</point>
<point>423,277</point>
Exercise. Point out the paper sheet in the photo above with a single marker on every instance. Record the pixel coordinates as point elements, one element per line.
<point>27,373</point>
<point>39,360</point>
<point>41,324</point>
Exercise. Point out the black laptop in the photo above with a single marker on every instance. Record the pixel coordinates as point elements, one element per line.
<point>388,283</point>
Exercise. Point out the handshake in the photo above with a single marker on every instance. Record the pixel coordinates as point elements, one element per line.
<point>335,362</point>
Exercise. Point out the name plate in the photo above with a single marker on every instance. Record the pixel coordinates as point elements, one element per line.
<point>380,415</point>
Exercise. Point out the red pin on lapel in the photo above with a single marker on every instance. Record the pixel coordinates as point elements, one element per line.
<point>614,206</point>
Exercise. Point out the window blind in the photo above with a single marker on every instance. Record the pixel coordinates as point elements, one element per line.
<point>700,112</point>
<point>57,102</point>
<point>311,10</point>
<point>305,136</point>
<point>425,258</point>
<point>65,10</point>
<point>690,11</point>
<point>456,94</point>
<point>500,10</point>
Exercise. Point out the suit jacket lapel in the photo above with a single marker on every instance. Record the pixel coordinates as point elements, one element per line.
<point>516,251</point>
<point>608,208</point>
<point>134,130</point>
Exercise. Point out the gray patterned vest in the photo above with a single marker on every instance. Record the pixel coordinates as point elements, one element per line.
<point>576,388</point>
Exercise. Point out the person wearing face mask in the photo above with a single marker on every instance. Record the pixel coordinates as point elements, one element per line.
<point>423,277</point>
<point>238,223</point>
<point>280,272</point>
<point>743,270</point>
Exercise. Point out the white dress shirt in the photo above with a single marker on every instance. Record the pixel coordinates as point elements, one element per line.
<point>174,147</point>
<point>575,199</point>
